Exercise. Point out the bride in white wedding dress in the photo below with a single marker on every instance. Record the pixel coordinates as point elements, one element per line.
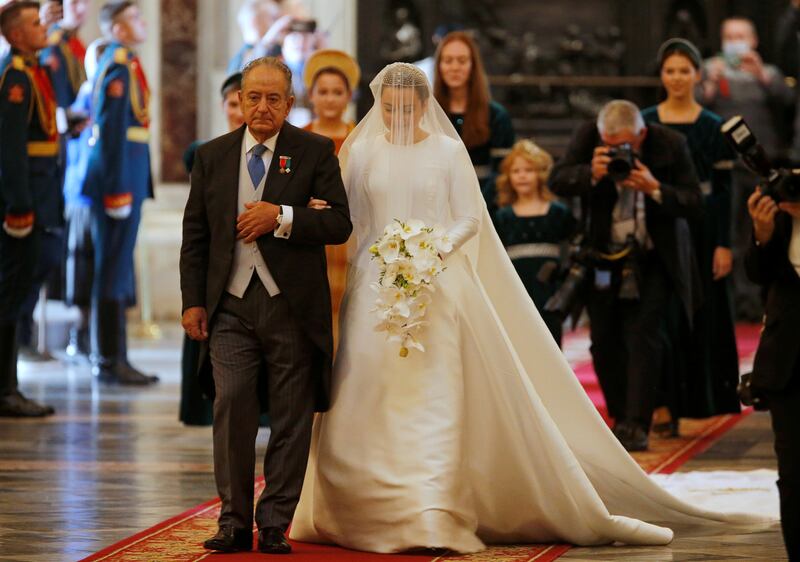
<point>486,436</point>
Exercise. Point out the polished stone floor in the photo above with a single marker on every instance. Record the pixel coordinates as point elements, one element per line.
<point>114,461</point>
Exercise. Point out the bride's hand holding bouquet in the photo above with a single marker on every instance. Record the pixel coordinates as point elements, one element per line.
<point>409,255</point>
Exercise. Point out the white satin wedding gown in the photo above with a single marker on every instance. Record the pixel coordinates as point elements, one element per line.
<point>487,436</point>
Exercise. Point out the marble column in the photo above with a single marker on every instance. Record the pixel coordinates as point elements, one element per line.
<point>178,85</point>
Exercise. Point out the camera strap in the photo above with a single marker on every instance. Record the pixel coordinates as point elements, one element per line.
<point>624,253</point>
<point>629,204</point>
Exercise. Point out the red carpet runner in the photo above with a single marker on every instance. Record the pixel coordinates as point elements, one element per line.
<point>180,539</point>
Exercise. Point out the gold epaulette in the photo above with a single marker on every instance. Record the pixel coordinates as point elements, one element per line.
<point>55,37</point>
<point>17,62</point>
<point>121,55</point>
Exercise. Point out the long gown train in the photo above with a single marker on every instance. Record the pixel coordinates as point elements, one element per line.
<point>487,436</point>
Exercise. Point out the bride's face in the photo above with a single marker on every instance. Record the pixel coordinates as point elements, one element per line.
<point>402,110</point>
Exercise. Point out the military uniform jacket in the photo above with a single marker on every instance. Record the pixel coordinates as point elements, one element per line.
<point>118,172</point>
<point>64,57</point>
<point>30,180</point>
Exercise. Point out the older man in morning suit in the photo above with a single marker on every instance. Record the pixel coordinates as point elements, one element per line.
<point>255,291</point>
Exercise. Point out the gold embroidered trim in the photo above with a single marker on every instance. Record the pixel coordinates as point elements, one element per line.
<point>42,148</point>
<point>138,134</point>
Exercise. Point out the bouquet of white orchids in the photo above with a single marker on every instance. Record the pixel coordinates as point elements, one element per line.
<point>410,257</point>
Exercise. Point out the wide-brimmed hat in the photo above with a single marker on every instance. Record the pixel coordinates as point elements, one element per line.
<point>331,58</point>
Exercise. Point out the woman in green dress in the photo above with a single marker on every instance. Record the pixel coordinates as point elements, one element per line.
<point>702,380</point>
<point>462,89</point>
<point>531,224</point>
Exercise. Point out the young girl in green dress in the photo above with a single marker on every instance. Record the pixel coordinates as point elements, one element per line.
<point>531,223</point>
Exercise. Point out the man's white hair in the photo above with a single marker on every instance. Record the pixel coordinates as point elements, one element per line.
<point>618,116</point>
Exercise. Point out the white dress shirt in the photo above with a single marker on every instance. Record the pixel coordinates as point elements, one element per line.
<point>247,258</point>
<point>794,245</point>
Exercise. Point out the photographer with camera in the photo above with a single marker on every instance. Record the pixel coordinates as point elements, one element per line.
<point>773,261</point>
<point>637,185</point>
<point>737,81</point>
<point>263,24</point>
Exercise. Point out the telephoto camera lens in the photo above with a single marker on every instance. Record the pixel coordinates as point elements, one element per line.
<point>564,298</point>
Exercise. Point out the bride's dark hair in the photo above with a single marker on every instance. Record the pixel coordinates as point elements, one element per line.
<point>403,75</point>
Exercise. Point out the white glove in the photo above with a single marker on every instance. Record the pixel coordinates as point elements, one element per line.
<point>17,232</point>
<point>119,213</point>
<point>18,226</point>
<point>118,206</point>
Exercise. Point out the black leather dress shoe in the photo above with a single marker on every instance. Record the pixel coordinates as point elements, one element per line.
<point>621,430</point>
<point>272,541</point>
<point>666,430</point>
<point>230,539</point>
<point>30,354</point>
<point>119,373</point>
<point>135,374</point>
<point>15,405</point>
<point>636,439</point>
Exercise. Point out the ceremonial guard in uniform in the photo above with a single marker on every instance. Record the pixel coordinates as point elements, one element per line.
<point>117,181</point>
<point>65,53</point>
<point>65,56</point>
<point>30,184</point>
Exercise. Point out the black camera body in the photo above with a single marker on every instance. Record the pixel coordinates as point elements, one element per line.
<point>623,160</point>
<point>303,26</point>
<point>784,186</point>
<point>568,300</point>
<point>781,184</point>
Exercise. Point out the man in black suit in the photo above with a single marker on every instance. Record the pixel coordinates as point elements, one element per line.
<point>638,223</point>
<point>773,261</point>
<point>255,292</point>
